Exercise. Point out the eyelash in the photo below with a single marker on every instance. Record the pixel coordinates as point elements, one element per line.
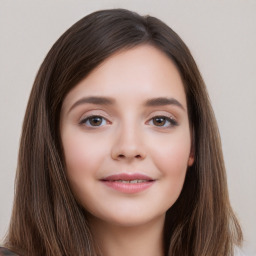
<point>84,121</point>
<point>170,119</point>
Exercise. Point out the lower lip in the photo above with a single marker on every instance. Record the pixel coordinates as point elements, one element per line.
<point>129,188</point>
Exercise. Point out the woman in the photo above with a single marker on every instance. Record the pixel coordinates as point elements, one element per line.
<point>120,152</point>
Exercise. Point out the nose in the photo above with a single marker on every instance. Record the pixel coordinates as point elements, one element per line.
<point>128,145</point>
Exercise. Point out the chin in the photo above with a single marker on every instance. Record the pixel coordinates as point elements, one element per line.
<point>129,220</point>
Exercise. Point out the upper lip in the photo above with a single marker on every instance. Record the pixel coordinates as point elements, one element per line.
<point>127,176</point>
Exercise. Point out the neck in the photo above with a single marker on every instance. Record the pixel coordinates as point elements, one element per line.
<point>114,240</point>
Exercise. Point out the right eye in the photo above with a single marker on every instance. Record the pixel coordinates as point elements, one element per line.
<point>94,121</point>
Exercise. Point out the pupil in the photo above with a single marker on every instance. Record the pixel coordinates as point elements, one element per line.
<point>96,121</point>
<point>159,121</point>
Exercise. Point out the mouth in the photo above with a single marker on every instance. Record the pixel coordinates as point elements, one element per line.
<point>131,181</point>
<point>128,183</point>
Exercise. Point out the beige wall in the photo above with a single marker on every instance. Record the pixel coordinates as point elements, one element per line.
<point>222,38</point>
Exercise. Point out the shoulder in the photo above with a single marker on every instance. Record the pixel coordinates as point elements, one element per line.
<point>6,252</point>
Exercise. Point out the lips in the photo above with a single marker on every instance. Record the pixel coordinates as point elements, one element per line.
<point>128,183</point>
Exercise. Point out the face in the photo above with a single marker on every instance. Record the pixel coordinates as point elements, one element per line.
<point>126,137</point>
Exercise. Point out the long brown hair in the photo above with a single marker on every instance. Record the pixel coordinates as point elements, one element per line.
<point>46,218</point>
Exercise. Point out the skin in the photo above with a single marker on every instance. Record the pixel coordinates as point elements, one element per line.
<point>128,139</point>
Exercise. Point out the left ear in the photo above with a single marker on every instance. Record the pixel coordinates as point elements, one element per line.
<point>191,158</point>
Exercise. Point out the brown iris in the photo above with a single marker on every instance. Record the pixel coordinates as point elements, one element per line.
<point>159,121</point>
<point>95,120</point>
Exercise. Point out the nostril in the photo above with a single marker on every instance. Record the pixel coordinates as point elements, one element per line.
<point>123,156</point>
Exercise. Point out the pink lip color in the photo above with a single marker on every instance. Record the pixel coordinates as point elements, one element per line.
<point>113,181</point>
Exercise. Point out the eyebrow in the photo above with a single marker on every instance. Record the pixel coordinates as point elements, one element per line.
<point>162,101</point>
<point>155,102</point>
<point>93,100</point>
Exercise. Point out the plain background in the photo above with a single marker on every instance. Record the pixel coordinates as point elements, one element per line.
<point>222,38</point>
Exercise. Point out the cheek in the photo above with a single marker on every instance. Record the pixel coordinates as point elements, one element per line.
<point>172,154</point>
<point>83,156</point>
<point>171,159</point>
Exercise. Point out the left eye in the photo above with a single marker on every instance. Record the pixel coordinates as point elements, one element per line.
<point>163,121</point>
<point>94,121</point>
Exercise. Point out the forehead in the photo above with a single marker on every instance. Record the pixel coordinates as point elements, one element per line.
<point>143,71</point>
